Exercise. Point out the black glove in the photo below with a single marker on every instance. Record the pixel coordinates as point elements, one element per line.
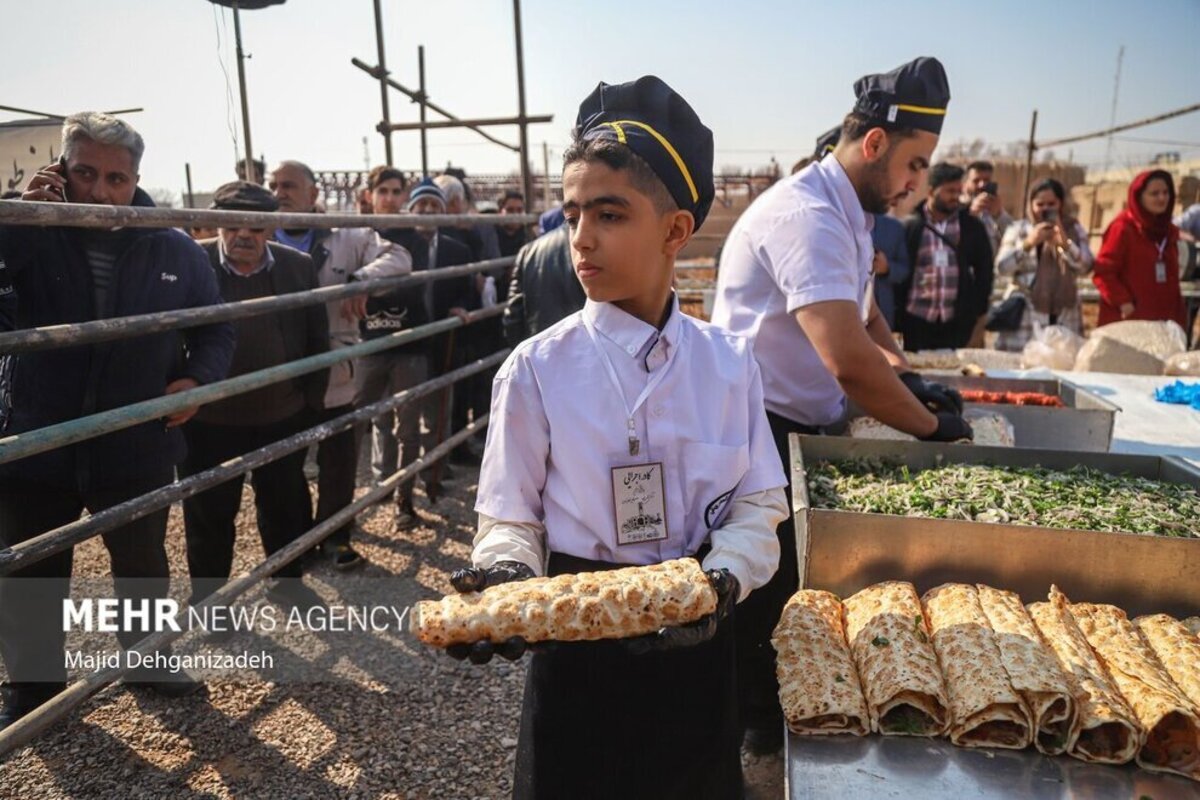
<point>476,579</point>
<point>951,428</point>
<point>693,633</point>
<point>934,396</point>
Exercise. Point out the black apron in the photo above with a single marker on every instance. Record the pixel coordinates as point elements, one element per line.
<point>758,688</point>
<point>598,722</point>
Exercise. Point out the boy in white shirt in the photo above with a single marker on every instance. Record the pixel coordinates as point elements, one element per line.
<point>630,434</point>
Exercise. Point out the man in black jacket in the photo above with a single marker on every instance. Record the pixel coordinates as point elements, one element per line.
<point>247,266</point>
<point>63,276</point>
<point>402,367</point>
<point>544,287</point>
<point>950,285</point>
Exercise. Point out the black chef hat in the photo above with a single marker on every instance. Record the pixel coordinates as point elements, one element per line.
<point>914,95</point>
<point>657,124</point>
<point>826,142</point>
<point>244,196</point>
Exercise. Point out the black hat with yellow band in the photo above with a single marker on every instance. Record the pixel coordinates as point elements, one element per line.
<point>657,124</point>
<point>914,95</point>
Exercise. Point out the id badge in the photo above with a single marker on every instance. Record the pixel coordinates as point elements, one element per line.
<point>1160,271</point>
<point>640,503</point>
<point>941,258</point>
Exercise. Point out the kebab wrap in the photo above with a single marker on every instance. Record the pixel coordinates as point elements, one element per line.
<point>889,640</point>
<point>1105,730</point>
<point>1176,648</point>
<point>615,604</point>
<point>1032,668</point>
<point>1171,740</point>
<point>818,684</point>
<point>985,710</point>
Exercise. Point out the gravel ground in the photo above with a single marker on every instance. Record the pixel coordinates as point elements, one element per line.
<point>446,731</point>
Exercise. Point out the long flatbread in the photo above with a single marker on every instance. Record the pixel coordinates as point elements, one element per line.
<point>1172,728</point>
<point>1032,668</point>
<point>889,640</point>
<point>1106,730</point>
<point>818,684</point>
<point>985,710</point>
<point>587,606</point>
<point>1176,648</point>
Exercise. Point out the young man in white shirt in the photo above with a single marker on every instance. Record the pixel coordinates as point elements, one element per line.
<point>630,389</point>
<point>796,277</point>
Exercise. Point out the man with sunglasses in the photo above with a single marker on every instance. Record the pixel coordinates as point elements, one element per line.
<point>248,266</point>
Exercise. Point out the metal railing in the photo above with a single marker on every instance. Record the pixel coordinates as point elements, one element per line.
<point>70,432</point>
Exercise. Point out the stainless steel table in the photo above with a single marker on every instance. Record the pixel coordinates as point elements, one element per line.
<point>845,767</point>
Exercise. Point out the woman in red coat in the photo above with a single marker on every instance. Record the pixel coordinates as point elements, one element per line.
<point>1137,268</point>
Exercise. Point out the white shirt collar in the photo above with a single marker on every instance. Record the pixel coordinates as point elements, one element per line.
<point>267,262</point>
<point>836,175</point>
<point>630,334</point>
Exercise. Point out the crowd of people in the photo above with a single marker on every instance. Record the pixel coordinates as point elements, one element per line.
<point>622,432</point>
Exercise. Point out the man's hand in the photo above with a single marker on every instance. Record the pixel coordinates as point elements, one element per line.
<point>950,428</point>
<point>693,633</point>
<point>48,185</point>
<point>354,308</point>
<point>879,264</point>
<point>476,579</point>
<point>1127,310</point>
<point>980,204</point>
<point>461,313</point>
<point>934,396</point>
<point>180,417</point>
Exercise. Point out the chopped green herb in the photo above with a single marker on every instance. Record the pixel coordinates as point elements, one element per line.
<point>838,679</point>
<point>880,641</point>
<point>1080,497</point>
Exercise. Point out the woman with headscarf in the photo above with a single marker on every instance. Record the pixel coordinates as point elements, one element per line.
<point>1042,255</point>
<point>1137,269</point>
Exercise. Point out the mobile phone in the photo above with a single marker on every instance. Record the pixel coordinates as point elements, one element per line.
<point>62,162</point>
<point>1050,215</point>
<point>990,188</point>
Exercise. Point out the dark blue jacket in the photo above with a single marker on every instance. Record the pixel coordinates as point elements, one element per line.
<point>156,270</point>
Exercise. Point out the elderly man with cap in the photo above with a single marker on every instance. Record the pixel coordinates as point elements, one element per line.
<point>340,255</point>
<point>406,366</point>
<point>248,266</point>
<point>796,277</point>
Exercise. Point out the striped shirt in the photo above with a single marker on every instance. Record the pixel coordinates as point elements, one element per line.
<point>101,253</point>
<point>935,275</point>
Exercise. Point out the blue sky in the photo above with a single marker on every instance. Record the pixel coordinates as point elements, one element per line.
<point>767,77</point>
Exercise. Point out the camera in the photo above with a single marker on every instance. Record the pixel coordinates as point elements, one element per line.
<point>991,188</point>
<point>1050,215</point>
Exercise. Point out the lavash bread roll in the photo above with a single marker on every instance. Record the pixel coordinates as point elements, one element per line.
<point>614,604</point>
<point>985,710</point>
<point>1032,668</point>
<point>818,684</point>
<point>889,640</point>
<point>1176,648</point>
<point>1106,730</point>
<point>1171,742</point>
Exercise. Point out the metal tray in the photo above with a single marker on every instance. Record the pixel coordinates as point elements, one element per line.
<point>839,767</point>
<point>1085,424</point>
<point>844,552</point>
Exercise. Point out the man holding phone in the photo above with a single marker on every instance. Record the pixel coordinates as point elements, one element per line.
<point>982,196</point>
<point>62,276</point>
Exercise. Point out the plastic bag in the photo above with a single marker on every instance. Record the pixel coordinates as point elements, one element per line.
<point>1132,347</point>
<point>1053,347</point>
<point>1179,393</point>
<point>1184,364</point>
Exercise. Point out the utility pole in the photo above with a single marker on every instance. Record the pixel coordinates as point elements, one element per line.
<point>383,83</point>
<point>546,173</point>
<point>526,184</point>
<point>421,92</point>
<point>241,69</point>
<point>1094,215</point>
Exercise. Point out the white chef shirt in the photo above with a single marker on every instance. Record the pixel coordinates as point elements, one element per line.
<point>806,240</point>
<point>557,428</point>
